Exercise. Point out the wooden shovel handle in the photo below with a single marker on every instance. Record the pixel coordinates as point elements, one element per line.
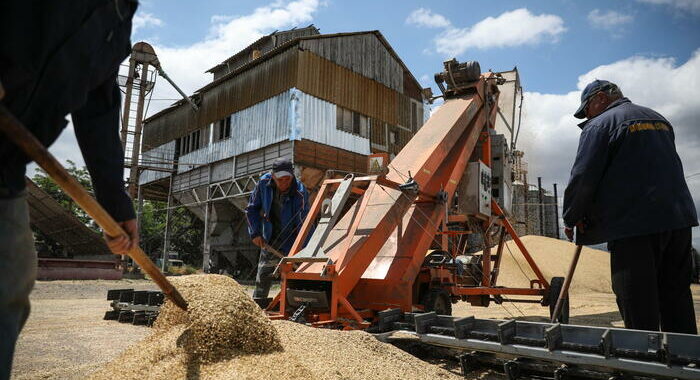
<point>567,283</point>
<point>17,133</point>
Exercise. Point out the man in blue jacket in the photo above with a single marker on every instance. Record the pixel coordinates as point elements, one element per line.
<point>627,188</point>
<point>275,213</point>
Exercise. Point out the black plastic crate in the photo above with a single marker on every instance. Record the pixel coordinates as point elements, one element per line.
<point>114,294</point>
<point>155,298</point>
<point>126,295</point>
<point>111,315</point>
<point>140,318</point>
<point>140,297</point>
<point>126,316</point>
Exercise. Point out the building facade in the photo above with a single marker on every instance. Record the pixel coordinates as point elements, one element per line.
<point>326,101</point>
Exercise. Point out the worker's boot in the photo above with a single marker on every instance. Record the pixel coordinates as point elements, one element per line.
<point>263,302</point>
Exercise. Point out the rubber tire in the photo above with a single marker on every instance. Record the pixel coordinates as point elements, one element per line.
<point>437,300</point>
<point>555,286</point>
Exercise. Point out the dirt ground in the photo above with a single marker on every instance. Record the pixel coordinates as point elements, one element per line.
<point>66,338</point>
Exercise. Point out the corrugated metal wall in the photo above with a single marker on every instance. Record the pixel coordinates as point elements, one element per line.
<point>267,79</point>
<point>263,124</point>
<point>309,153</point>
<point>316,121</point>
<point>261,160</point>
<point>160,157</point>
<point>292,115</point>
<point>361,53</point>
<point>324,79</point>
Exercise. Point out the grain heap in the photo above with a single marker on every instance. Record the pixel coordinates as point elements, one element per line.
<point>553,257</point>
<point>224,335</point>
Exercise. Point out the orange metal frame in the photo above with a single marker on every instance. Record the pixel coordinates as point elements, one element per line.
<point>378,247</point>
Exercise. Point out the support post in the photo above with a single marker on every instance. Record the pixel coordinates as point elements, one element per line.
<point>136,149</point>
<point>556,210</point>
<point>166,233</point>
<point>127,102</point>
<point>205,240</point>
<point>540,204</point>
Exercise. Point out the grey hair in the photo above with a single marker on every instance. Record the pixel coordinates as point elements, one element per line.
<point>613,91</point>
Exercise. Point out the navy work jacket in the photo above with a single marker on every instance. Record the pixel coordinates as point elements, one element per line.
<point>627,179</point>
<point>60,57</point>
<point>295,207</point>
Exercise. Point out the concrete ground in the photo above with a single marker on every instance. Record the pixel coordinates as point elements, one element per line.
<point>66,338</point>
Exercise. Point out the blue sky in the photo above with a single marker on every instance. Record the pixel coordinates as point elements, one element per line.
<point>650,48</point>
<point>552,65</point>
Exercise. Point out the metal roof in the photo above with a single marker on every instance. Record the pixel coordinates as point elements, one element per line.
<point>61,225</point>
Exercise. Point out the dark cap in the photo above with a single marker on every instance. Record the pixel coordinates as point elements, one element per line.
<point>283,166</point>
<point>593,88</point>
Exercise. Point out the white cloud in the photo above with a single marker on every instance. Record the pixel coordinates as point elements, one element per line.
<point>513,28</point>
<point>186,65</point>
<point>425,17</point>
<point>608,19</point>
<point>692,6</point>
<point>145,20</point>
<point>550,135</point>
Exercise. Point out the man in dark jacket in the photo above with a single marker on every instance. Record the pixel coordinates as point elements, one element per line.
<point>627,188</point>
<point>276,210</point>
<point>56,58</point>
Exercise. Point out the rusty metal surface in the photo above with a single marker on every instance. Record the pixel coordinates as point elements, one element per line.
<point>287,67</point>
<point>61,225</point>
<point>354,242</point>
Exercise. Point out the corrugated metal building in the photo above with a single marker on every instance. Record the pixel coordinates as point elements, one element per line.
<point>324,100</point>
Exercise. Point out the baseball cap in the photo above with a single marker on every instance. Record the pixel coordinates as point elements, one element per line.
<point>282,167</point>
<point>590,90</point>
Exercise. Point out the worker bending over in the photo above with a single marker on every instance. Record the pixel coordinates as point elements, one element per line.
<point>56,58</point>
<point>627,188</point>
<point>275,213</point>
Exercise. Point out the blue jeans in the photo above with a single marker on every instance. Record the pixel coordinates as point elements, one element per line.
<point>263,281</point>
<point>17,274</point>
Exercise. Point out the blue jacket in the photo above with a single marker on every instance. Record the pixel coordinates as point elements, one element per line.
<point>295,208</point>
<point>627,179</point>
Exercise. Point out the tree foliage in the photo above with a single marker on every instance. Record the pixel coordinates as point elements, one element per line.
<point>50,187</point>
<point>186,230</point>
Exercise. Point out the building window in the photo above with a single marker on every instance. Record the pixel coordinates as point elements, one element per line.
<point>414,117</point>
<point>190,142</point>
<point>223,129</point>
<point>352,122</point>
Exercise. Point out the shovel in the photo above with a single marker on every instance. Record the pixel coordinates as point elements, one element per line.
<point>567,283</point>
<point>18,134</point>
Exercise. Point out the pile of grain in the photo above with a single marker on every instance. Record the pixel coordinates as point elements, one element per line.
<point>224,335</point>
<point>553,257</point>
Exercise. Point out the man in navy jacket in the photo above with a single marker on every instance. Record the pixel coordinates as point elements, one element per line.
<point>627,188</point>
<point>56,58</point>
<point>275,213</point>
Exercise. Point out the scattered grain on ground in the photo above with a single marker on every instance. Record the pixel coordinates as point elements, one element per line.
<point>224,335</point>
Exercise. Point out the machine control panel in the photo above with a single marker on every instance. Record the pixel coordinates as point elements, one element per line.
<point>478,195</point>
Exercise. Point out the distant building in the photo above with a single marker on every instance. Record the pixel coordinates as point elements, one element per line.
<point>534,210</point>
<point>324,100</point>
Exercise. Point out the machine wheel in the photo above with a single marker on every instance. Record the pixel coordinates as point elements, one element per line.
<point>437,300</point>
<point>473,70</point>
<point>555,286</point>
